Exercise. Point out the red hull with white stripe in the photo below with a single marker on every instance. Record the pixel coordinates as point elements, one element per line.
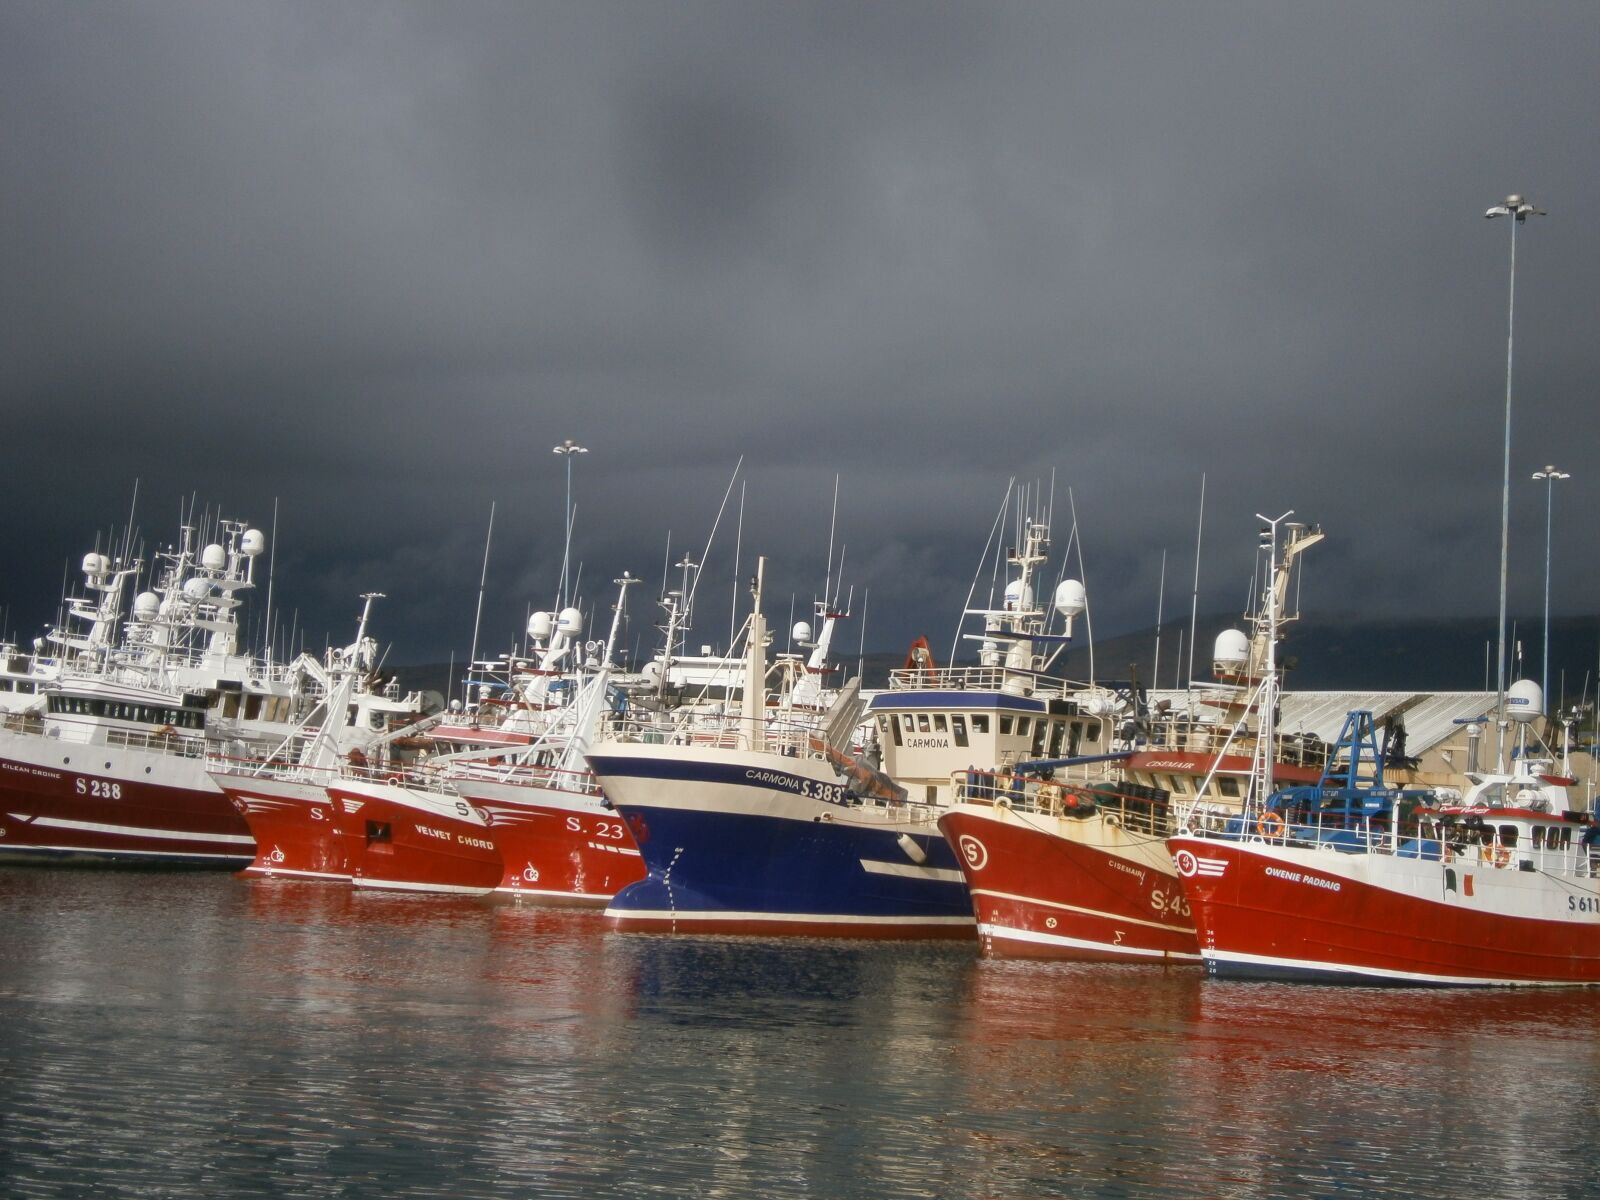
<point>560,844</point>
<point>1072,888</point>
<point>1269,910</point>
<point>115,806</point>
<point>293,823</point>
<point>407,839</point>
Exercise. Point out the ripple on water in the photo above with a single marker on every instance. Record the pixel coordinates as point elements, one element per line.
<point>167,1034</point>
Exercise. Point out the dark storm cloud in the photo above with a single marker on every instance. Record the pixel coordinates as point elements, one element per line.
<point>375,260</point>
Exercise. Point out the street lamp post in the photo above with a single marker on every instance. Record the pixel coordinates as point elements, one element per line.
<point>1549,475</point>
<point>1519,209</point>
<point>567,449</point>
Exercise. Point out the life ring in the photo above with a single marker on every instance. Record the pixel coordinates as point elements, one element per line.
<point>1271,825</point>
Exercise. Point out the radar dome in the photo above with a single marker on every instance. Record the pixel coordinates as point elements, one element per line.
<point>1231,651</point>
<point>1018,596</point>
<point>1071,599</point>
<point>540,625</point>
<point>802,632</point>
<point>146,606</point>
<point>95,564</point>
<point>197,588</point>
<point>252,543</point>
<point>570,622</point>
<point>1524,700</point>
<point>213,557</point>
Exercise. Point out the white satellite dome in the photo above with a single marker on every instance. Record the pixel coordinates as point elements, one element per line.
<point>570,622</point>
<point>802,632</point>
<point>95,564</point>
<point>1018,597</point>
<point>213,557</point>
<point>197,588</point>
<point>540,625</point>
<point>1071,599</point>
<point>1524,700</point>
<point>252,543</point>
<point>146,606</point>
<point>1231,651</point>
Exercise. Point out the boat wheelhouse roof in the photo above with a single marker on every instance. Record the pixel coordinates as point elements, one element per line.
<point>955,700</point>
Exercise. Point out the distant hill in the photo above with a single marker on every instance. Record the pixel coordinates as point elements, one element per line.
<point>1328,655</point>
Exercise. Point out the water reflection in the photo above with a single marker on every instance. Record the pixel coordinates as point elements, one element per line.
<point>164,1033</point>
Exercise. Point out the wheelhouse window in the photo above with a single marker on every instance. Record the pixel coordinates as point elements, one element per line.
<point>1229,787</point>
<point>922,723</point>
<point>1005,726</point>
<point>980,723</point>
<point>958,726</point>
<point>893,728</point>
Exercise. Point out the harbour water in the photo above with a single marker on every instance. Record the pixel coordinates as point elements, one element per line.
<point>170,1034</point>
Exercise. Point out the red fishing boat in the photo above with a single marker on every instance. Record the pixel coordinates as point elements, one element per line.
<point>406,834</point>
<point>1066,858</point>
<point>1355,881</point>
<point>558,840</point>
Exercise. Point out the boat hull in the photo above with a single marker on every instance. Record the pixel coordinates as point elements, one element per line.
<point>1074,888</point>
<point>401,839</point>
<point>99,805</point>
<point>1271,911</point>
<point>747,842</point>
<point>294,825</point>
<point>558,846</point>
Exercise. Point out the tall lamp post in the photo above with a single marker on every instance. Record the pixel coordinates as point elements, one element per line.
<point>567,449</point>
<point>1549,475</point>
<point>1519,209</point>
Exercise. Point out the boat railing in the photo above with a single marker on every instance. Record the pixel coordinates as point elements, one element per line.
<point>1136,808</point>
<point>157,742</point>
<point>1466,842</point>
<point>1193,734</point>
<point>977,679</point>
<point>561,779</point>
<point>425,778</point>
<point>726,731</point>
<point>22,722</point>
<point>276,767</point>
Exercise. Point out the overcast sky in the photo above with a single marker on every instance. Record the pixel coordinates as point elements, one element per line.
<point>372,261</point>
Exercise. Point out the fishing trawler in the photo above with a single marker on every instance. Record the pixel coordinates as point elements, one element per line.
<point>109,765</point>
<point>1356,880</point>
<point>283,797</point>
<point>763,822</point>
<point>1065,852</point>
<point>559,842</point>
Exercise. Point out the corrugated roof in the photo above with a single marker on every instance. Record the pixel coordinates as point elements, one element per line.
<point>1430,717</point>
